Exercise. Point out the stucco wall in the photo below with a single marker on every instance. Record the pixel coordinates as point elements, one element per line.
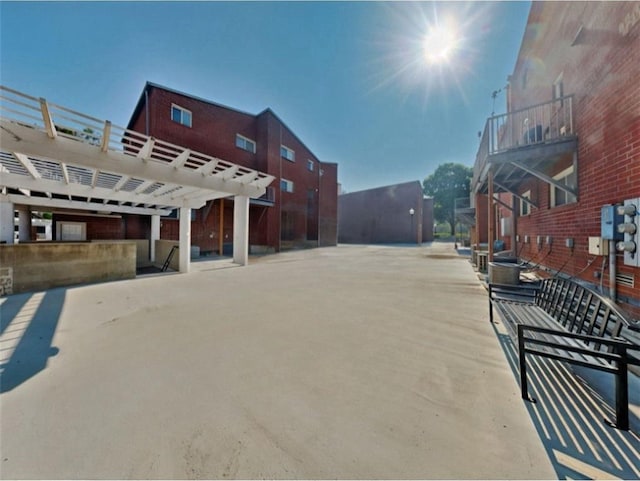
<point>42,266</point>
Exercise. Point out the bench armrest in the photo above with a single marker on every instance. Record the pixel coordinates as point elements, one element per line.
<point>519,292</point>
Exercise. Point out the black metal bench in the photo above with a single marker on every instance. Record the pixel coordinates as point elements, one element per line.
<point>563,320</point>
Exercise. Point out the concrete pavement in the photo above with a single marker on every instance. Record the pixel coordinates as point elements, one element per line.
<point>348,362</point>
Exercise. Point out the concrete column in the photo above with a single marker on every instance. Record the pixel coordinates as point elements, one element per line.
<point>6,222</point>
<point>155,235</point>
<point>185,240</point>
<point>24,223</point>
<point>241,230</point>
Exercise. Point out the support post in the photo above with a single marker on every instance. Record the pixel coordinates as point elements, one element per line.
<point>6,222</point>
<point>241,229</point>
<point>622,391</point>
<point>490,213</point>
<point>155,235</point>
<point>221,237</point>
<point>185,240</point>
<point>24,223</point>
<point>515,213</point>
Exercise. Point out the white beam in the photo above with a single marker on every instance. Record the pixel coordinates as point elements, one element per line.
<point>6,220</point>
<point>17,181</point>
<point>145,185</point>
<point>24,223</point>
<point>184,264</point>
<point>24,160</point>
<point>74,204</point>
<point>228,173</point>
<point>49,126</point>
<point>155,235</point>
<point>65,172</point>
<point>106,133</point>
<point>241,230</point>
<point>248,178</point>
<point>181,159</point>
<point>120,184</point>
<point>18,138</point>
<point>145,151</point>
<point>208,168</point>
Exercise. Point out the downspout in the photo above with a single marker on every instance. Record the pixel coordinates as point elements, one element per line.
<point>612,271</point>
<point>146,111</point>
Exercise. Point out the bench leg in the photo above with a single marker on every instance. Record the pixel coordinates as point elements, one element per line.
<point>490,311</point>
<point>524,389</point>
<point>622,394</point>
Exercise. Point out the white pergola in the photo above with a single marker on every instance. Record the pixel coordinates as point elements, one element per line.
<point>54,157</point>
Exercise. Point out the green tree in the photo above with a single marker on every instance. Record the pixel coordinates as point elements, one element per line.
<point>449,182</point>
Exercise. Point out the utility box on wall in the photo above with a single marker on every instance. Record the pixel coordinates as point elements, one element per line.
<point>598,246</point>
<point>609,220</point>
<point>628,226</point>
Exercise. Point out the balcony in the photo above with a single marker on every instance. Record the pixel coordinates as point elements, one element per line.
<point>524,143</point>
<point>465,211</point>
<point>267,199</point>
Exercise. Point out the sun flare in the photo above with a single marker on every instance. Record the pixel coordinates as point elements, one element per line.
<point>440,44</point>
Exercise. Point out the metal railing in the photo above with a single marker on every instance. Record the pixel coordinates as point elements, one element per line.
<point>537,124</point>
<point>38,114</point>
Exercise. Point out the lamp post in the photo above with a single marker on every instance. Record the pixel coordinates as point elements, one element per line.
<point>411,213</point>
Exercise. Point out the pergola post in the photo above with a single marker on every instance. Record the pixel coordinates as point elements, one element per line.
<point>6,222</point>
<point>184,262</point>
<point>241,230</point>
<point>24,223</point>
<point>155,235</point>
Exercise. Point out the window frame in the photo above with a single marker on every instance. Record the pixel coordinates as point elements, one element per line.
<point>286,151</point>
<point>561,176</point>
<point>289,186</point>
<point>245,141</point>
<point>310,165</point>
<point>182,111</point>
<point>525,207</point>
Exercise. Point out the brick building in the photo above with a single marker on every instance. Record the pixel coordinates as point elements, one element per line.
<point>569,145</point>
<point>300,206</point>
<point>392,214</point>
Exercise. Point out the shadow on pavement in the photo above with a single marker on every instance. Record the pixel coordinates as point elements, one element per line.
<point>29,322</point>
<point>569,418</point>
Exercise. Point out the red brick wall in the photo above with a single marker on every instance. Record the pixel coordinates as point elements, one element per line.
<point>310,211</point>
<point>601,70</point>
<point>98,227</point>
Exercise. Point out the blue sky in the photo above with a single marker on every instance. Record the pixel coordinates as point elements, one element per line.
<point>351,79</point>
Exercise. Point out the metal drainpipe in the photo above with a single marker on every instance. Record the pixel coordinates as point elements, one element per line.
<point>612,271</point>
<point>146,112</point>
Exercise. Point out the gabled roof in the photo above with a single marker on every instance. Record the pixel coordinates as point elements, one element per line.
<point>267,111</point>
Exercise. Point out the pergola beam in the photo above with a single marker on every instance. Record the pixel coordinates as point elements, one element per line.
<point>79,205</point>
<point>16,181</point>
<point>18,138</point>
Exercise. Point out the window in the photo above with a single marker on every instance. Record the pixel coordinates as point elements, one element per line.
<point>71,231</point>
<point>560,197</point>
<point>287,153</point>
<point>558,89</point>
<point>310,165</point>
<point>525,207</point>
<point>286,185</point>
<point>245,144</point>
<point>180,115</point>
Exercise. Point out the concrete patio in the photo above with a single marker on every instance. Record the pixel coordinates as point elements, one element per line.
<point>359,362</point>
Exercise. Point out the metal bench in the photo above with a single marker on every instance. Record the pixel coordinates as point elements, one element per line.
<point>563,320</point>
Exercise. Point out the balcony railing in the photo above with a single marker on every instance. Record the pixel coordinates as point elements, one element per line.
<point>538,124</point>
